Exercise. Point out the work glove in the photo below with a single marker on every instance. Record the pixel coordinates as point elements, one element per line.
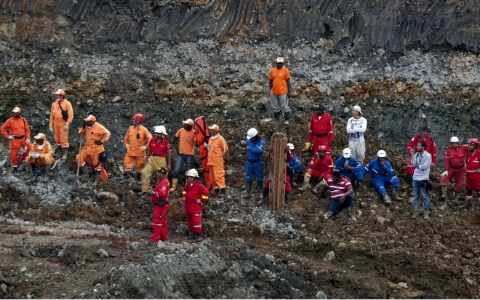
<point>98,142</point>
<point>143,148</point>
<point>444,173</point>
<point>308,146</point>
<point>65,127</point>
<point>127,146</point>
<point>51,129</point>
<point>27,142</point>
<point>35,155</point>
<point>477,171</point>
<point>11,137</point>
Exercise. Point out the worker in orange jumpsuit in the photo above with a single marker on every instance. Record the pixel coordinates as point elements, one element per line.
<point>321,168</point>
<point>194,194</point>
<point>424,136</point>
<point>160,208</point>
<point>217,149</point>
<point>61,116</point>
<point>16,130</point>
<point>473,171</point>
<point>136,141</point>
<point>454,160</point>
<point>96,135</point>
<point>321,130</point>
<point>158,156</point>
<point>41,155</point>
<point>184,141</point>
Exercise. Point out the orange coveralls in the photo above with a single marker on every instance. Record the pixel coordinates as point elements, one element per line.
<point>96,133</point>
<point>20,130</point>
<point>217,149</point>
<point>46,155</point>
<point>136,136</point>
<point>57,122</point>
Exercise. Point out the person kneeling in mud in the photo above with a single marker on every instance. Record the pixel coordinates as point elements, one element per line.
<point>341,193</point>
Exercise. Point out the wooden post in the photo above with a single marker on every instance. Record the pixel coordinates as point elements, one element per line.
<point>278,171</point>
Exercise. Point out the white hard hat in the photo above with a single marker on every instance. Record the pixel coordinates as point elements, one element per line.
<point>346,153</point>
<point>290,145</point>
<point>454,139</point>
<point>279,59</point>
<point>160,129</point>
<point>192,173</point>
<point>251,133</point>
<point>381,153</point>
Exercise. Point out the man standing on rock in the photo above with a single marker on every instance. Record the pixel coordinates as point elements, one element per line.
<point>160,208</point>
<point>383,175</point>
<point>473,171</point>
<point>16,130</point>
<point>194,195</point>
<point>41,155</point>
<point>61,116</point>
<point>279,85</point>
<point>356,127</point>
<point>184,141</point>
<point>136,141</point>
<point>454,160</point>
<point>431,146</point>
<point>217,149</point>
<point>158,156</point>
<point>320,168</point>
<point>421,161</point>
<point>96,135</point>
<point>254,164</point>
<point>321,130</point>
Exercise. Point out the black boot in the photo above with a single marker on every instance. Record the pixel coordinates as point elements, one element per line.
<point>191,236</point>
<point>198,237</point>
<point>294,179</point>
<point>126,175</point>
<point>248,186</point>
<point>260,190</point>
<point>276,116</point>
<point>139,176</point>
<point>287,199</point>
<point>223,193</point>
<point>287,117</point>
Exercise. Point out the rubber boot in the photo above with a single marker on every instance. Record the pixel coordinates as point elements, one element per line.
<point>352,213</point>
<point>198,237</point>
<point>327,215</point>
<point>266,192</point>
<point>15,170</point>
<point>294,179</point>
<point>65,153</point>
<point>467,204</point>
<point>191,236</point>
<point>395,194</point>
<point>139,176</point>
<point>318,187</point>
<point>386,199</point>
<point>306,183</point>
<point>444,193</point>
<point>48,169</point>
<point>97,178</point>
<point>260,190</point>
<point>126,175</point>
<point>287,199</point>
<point>287,118</point>
<point>415,212</point>
<point>456,196</point>
<point>425,215</point>
<point>86,170</point>
<point>174,185</point>
<point>29,172</point>
<point>276,116</point>
<point>223,193</point>
<point>248,191</point>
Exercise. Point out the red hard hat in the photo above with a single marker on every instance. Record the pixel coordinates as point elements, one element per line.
<point>473,141</point>
<point>322,148</point>
<point>138,117</point>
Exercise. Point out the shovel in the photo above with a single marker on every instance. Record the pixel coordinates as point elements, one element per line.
<point>77,183</point>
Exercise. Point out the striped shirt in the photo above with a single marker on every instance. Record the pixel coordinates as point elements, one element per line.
<point>338,189</point>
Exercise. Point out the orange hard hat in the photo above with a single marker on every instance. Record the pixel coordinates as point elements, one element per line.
<point>90,118</point>
<point>60,92</point>
<point>138,117</point>
<point>16,110</point>
<point>188,122</point>
<point>40,136</point>
<point>321,148</point>
<point>214,127</point>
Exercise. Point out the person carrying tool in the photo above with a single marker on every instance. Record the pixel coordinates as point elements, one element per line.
<point>158,156</point>
<point>160,208</point>
<point>356,127</point>
<point>295,164</point>
<point>473,171</point>
<point>95,135</point>
<point>184,141</point>
<point>41,155</point>
<point>320,168</point>
<point>61,116</point>
<point>350,167</point>
<point>454,161</point>
<point>194,194</point>
<point>321,130</point>
<point>279,85</point>
<point>16,130</point>
<point>136,141</point>
<point>255,147</point>
<point>424,136</point>
<point>217,149</point>
<point>421,161</point>
<point>383,175</point>
<point>341,194</point>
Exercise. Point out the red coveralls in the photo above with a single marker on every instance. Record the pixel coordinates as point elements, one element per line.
<point>321,167</point>
<point>321,131</point>
<point>455,165</point>
<point>431,146</point>
<point>288,185</point>
<point>159,220</point>
<point>473,178</point>
<point>191,193</point>
<point>20,130</point>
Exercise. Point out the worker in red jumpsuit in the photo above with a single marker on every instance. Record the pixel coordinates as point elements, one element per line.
<point>454,167</point>
<point>424,136</point>
<point>473,171</point>
<point>194,194</point>
<point>321,168</point>
<point>160,208</point>
<point>321,130</point>
<point>288,189</point>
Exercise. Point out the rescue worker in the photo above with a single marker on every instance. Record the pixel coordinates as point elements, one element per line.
<point>295,164</point>
<point>95,135</point>
<point>194,194</point>
<point>160,208</point>
<point>473,171</point>
<point>136,141</point>
<point>356,127</point>
<point>424,136</point>
<point>279,85</point>
<point>254,164</point>
<point>16,130</point>
<point>341,194</point>
<point>320,168</point>
<point>184,141</point>
<point>421,161</point>
<point>61,116</point>
<point>158,156</point>
<point>217,149</point>
<point>382,176</point>
<point>454,161</point>
<point>350,167</point>
<point>288,189</point>
<point>321,130</point>
<point>41,155</point>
